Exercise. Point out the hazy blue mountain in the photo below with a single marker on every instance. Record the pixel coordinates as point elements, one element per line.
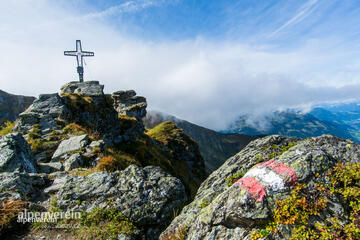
<point>346,115</point>
<point>295,124</point>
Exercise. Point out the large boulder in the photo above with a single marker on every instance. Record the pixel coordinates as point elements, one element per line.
<point>44,111</point>
<point>88,88</point>
<point>73,144</point>
<point>127,103</point>
<point>267,170</point>
<point>24,186</point>
<point>15,154</point>
<point>148,196</point>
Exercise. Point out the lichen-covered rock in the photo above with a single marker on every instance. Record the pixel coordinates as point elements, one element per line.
<point>74,161</point>
<point>88,88</point>
<point>59,181</point>
<point>72,144</point>
<point>98,114</point>
<point>148,196</point>
<point>15,154</point>
<point>24,186</point>
<point>271,167</point>
<point>127,103</point>
<point>45,111</point>
<point>84,104</point>
<point>78,134</point>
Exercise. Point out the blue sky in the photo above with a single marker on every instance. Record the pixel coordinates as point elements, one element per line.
<point>204,61</point>
<point>283,22</point>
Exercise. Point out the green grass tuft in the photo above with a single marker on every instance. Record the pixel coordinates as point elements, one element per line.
<point>7,128</point>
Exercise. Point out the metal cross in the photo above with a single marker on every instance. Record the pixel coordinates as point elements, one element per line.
<point>79,54</point>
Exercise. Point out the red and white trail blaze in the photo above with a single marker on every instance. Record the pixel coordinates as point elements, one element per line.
<point>267,177</point>
<point>254,188</point>
<point>287,173</point>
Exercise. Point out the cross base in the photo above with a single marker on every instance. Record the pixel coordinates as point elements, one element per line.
<point>80,71</point>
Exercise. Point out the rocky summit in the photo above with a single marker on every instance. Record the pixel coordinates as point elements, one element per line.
<point>88,152</point>
<point>83,151</point>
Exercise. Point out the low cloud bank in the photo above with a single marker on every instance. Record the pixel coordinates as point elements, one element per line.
<point>208,82</point>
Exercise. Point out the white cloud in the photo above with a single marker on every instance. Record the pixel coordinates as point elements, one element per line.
<point>207,82</point>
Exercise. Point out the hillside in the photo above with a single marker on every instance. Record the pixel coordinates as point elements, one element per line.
<point>12,105</point>
<point>214,147</point>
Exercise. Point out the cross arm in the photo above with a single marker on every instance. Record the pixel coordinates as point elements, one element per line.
<point>87,54</point>
<point>70,53</point>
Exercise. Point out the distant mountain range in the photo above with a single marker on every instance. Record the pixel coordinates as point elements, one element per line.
<point>12,105</point>
<point>215,147</point>
<point>346,115</point>
<point>342,120</point>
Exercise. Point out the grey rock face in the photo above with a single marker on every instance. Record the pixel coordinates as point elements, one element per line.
<point>231,212</point>
<point>127,103</point>
<point>148,196</point>
<point>99,144</point>
<point>74,161</point>
<point>88,88</point>
<point>43,111</point>
<point>57,184</point>
<point>20,185</point>
<point>96,110</point>
<point>69,145</point>
<point>15,154</point>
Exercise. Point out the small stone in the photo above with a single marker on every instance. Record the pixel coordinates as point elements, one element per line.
<point>125,237</point>
<point>99,143</point>
<point>41,157</point>
<point>74,161</point>
<point>50,167</point>
<point>57,184</point>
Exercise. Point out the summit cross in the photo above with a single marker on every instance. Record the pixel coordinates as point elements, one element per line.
<point>79,54</point>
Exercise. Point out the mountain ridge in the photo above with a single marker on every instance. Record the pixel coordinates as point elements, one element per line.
<point>12,105</point>
<point>215,147</point>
